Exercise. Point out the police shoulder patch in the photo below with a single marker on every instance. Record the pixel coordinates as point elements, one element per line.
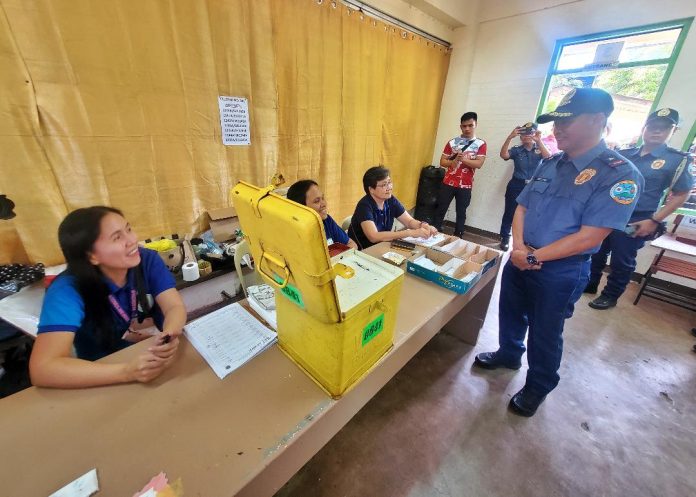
<point>624,192</point>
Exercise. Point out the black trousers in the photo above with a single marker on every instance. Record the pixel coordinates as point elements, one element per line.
<point>514,188</point>
<point>463,198</point>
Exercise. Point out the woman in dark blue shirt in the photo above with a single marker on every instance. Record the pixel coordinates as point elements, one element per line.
<point>308,193</point>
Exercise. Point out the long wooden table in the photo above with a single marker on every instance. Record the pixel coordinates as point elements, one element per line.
<point>245,435</point>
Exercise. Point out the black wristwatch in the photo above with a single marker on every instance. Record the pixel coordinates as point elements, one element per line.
<point>532,260</point>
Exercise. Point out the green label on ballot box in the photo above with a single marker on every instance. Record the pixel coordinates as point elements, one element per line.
<point>372,329</point>
<point>290,292</point>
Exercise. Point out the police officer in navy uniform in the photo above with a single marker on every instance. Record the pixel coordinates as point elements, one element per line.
<point>573,201</point>
<point>525,157</point>
<point>660,165</point>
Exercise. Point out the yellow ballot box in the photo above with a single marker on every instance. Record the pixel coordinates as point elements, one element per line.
<point>336,316</point>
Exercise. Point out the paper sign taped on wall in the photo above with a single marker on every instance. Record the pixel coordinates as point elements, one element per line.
<point>234,120</point>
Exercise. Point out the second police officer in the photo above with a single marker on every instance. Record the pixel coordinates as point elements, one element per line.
<point>571,204</point>
<point>525,157</point>
<point>662,167</point>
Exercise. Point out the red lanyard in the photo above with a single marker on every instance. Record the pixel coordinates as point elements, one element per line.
<point>117,307</point>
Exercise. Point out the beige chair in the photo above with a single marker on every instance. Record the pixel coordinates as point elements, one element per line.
<point>247,275</point>
<point>346,223</point>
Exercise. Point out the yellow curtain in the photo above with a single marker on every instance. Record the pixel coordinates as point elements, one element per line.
<point>116,103</point>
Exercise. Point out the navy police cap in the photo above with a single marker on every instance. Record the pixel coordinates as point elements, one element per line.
<point>580,101</point>
<point>668,114</point>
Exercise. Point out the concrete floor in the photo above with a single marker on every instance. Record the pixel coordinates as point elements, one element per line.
<point>622,422</point>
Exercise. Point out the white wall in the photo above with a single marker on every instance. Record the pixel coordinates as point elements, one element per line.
<point>436,17</point>
<point>502,74</point>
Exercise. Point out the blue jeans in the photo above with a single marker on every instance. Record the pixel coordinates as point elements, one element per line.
<point>540,301</point>
<point>463,198</point>
<point>514,188</point>
<point>623,250</point>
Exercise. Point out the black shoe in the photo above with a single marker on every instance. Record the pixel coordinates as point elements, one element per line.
<point>525,403</point>
<point>490,360</point>
<point>602,303</point>
<point>505,243</point>
<point>693,331</point>
<point>591,288</point>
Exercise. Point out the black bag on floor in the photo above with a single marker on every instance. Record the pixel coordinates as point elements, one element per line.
<point>428,191</point>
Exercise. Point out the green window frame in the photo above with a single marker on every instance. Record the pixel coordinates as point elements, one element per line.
<point>687,143</point>
<point>683,24</point>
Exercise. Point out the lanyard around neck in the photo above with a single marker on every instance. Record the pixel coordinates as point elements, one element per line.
<point>124,315</point>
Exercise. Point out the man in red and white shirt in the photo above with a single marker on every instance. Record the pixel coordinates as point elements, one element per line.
<point>462,156</point>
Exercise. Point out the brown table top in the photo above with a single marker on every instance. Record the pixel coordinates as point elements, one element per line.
<point>265,419</point>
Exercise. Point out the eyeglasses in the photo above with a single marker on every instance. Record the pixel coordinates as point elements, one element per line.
<point>386,184</point>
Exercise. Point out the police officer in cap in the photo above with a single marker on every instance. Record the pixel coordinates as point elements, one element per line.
<point>573,201</point>
<point>662,167</point>
<point>525,157</point>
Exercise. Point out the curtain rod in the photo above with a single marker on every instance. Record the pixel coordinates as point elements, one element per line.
<point>383,16</point>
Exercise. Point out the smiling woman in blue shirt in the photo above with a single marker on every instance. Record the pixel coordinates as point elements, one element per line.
<point>100,305</point>
<point>307,192</point>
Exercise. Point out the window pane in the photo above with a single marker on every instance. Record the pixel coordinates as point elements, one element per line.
<point>649,46</point>
<point>633,90</point>
<point>640,83</point>
<point>633,48</point>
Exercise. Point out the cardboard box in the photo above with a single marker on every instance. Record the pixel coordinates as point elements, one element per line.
<point>464,250</point>
<point>453,283</point>
<point>470,251</point>
<point>486,257</point>
<point>223,223</point>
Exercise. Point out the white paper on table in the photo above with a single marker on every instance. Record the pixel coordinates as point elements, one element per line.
<point>450,266</point>
<point>268,315</point>
<point>423,261</point>
<point>84,486</point>
<point>668,242</point>
<point>228,338</point>
<point>688,223</point>
<point>426,242</point>
<point>263,294</point>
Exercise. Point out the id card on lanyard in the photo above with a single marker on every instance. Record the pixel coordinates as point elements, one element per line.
<point>136,331</point>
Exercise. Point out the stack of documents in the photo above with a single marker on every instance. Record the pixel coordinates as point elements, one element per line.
<point>264,295</point>
<point>228,338</point>
<point>426,242</point>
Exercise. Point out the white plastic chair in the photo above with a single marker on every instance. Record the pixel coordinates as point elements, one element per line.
<point>247,277</point>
